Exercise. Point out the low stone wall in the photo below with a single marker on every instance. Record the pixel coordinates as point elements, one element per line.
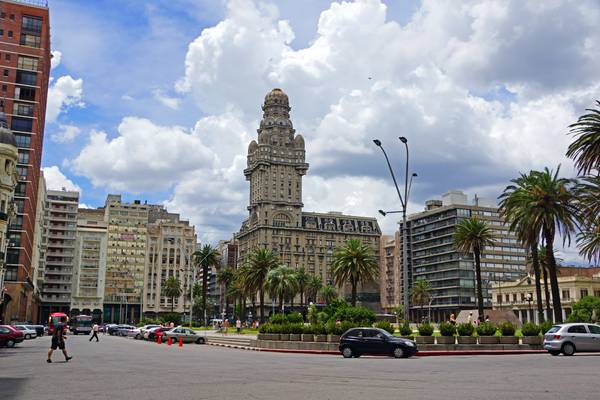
<point>293,345</point>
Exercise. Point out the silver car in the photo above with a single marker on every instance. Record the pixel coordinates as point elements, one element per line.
<point>186,334</point>
<point>571,338</point>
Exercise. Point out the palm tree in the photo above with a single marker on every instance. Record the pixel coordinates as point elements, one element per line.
<point>282,284</point>
<point>303,278</point>
<point>172,289</point>
<point>354,263</point>
<point>225,277</point>
<point>421,294</point>
<point>206,257</point>
<point>328,294</point>
<point>587,193</point>
<point>588,240</point>
<point>471,236</point>
<point>515,208</point>
<point>313,288</point>
<point>260,262</point>
<point>585,150</point>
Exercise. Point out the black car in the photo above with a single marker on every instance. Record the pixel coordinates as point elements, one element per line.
<point>374,341</point>
<point>39,329</point>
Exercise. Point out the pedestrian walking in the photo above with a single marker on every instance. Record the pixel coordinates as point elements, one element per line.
<point>225,325</point>
<point>487,318</point>
<point>58,341</point>
<point>470,319</point>
<point>238,326</point>
<point>95,329</point>
<point>452,319</point>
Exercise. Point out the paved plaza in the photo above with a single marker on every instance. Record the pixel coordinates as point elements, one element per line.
<point>121,368</point>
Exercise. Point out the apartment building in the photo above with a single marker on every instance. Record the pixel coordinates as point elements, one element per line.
<point>59,235</point>
<point>25,64</point>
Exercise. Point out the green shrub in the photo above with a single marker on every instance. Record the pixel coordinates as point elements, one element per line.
<point>425,329</point>
<point>585,310</point>
<point>334,328</point>
<point>486,329</point>
<point>312,314</point>
<point>386,326</point>
<point>319,329</point>
<point>296,328</point>
<point>264,328</point>
<point>355,314</point>
<point>530,329</point>
<point>545,326</point>
<point>465,329</point>
<point>322,317</point>
<point>507,329</point>
<point>171,317</point>
<point>295,318</point>
<point>345,325</point>
<point>405,329</point>
<point>447,329</point>
<point>308,329</point>
<point>278,319</point>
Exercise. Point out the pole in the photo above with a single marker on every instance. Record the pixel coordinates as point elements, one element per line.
<point>191,280</point>
<point>405,230</point>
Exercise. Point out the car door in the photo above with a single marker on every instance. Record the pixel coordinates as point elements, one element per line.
<point>374,341</point>
<point>579,335</point>
<point>190,336</point>
<point>595,333</point>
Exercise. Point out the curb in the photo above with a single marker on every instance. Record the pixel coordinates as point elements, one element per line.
<point>419,354</point>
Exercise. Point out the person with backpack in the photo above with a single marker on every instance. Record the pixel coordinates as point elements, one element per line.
<point>58,341</point>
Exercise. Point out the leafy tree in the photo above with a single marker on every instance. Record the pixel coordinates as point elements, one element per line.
<point>586,310</point>
<point>314,287</point>
<point>471,236</point>
<point>303,279</point>
<point>206,257</point>
<point>282,284</point>
<point>172,289</point>
<point>225,277</point>
<point>260,262</point>
<point>421,294</point>
<point>585,150</point>
<point>398,311</point>
<point>354,263</point>
<point>328,294</point>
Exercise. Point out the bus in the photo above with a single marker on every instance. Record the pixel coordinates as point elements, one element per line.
<point>55,319</point>
<point>81,324</point>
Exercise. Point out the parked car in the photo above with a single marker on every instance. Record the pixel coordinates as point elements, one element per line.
<point>186,334</point>
<point>111,329</point>
<point>571,338</point>
<point>9,336</point>
<point>142,331</point>
<point>123,329</point>
<point>374,341</point>
<point>39,329</point>
<point>158,331</point>
<point>28,333</point>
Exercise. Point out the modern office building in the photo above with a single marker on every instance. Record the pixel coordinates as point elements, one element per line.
<point>125,259</point>
<point>59,236</point>
<point>8,182</point>
<point>519,296</point>
<point>25,64</point>
<point>276,164</point>
<point>433,256</point>
<point>39,241</point>
<point>90,263</point>
<point>171,243</point>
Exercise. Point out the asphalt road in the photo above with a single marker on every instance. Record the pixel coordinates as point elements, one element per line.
<point>121,368</point>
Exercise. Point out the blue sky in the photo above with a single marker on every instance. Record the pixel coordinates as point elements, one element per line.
<point>159,99</point>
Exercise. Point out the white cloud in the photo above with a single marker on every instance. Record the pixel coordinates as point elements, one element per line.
<point>171,102</point>
<point>56,180</point>
<point>56,58</point>
<point>63,93</point>
<point>66,133</point>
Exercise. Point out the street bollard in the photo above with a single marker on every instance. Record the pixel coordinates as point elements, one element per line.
<point>180,341</point>
<point>169,341</point>
<point>159,339</point>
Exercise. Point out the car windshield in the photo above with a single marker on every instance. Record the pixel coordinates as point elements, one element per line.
<point>384,333</point>
<point>554,329</point>
<point>21,328</point>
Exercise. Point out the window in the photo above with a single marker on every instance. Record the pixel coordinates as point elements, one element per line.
<point>4,88</point>
<point>577,329</point>
<point>14,240</point>
<point>566,295</point>
<point>10,33</point>
<point>19,205</point>
<point>23,141</point>
<point>1,32</point>
<point>7,57</point>
<point>30,63</point>
<point>30,40</point>
<point>595,329</point>
<point>584,292</point>
<point>20,189</point>
<point>10,274</point>
<point>23,157</point>
<point>21,124</point>
<point>5,73</point>
<point>25,93</point>
<point>31,24</point>
<point>26,77</point>
<point>597,293</point>
<point>23,109</point>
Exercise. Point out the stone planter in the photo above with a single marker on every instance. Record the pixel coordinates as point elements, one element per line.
<point>271,336</point>
<point>295,337</point>
<point>534,340</point>
<point>466,339</point>
<point>284,337</point>
<point>333,338</point>
<point>320,338</point>
<point>425,339</point>
<point>489,339</point>
<point>445,340</point>
<point>509,340</point>
<point>261,336</point>
<point>408,338</point>
<point>308,337</point>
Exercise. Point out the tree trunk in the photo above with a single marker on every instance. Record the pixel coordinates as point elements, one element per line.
<point>262,305</point>
<point>476,253</point>
<point>204,291</point>
<point>538,288</point>
<point>172,304</point>
<point>551,263</point>
<point>281,304</point>
<point>302,298</point>
<point>353,283</point>
<point>547,293</point>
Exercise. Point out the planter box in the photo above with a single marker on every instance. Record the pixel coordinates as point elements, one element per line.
<point>320,338</point>
<point>333,338</point>
<point>307,337</point>
<point>425,339</point>
<point>509,340</point>
<point>445,339</point>
<point>535,340</point>
<point>489,339</point>
<point>272,336</point>
<point>295,337</point>
<point>261,336</point>
<point>466,339</point>
<point>408,338</point>
<point>284,337</point>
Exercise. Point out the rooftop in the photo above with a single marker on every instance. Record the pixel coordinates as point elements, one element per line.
<point>33,3</point>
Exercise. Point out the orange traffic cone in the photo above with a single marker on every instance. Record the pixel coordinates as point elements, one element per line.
<point>180,341</point>
<point>159,339</point>
<point>169,341</point>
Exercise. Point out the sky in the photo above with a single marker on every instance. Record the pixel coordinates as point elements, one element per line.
<point>158,100</point>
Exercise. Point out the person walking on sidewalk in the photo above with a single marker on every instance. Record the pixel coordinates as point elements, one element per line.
<point>58,342</point>
<point>95,329</point>
<point>238,326</point>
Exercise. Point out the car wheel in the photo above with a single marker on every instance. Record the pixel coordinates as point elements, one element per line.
<point>568,349</point>
<point>137,337</point>
<point>27,337</point>
<point>200,341</point>
<point>10,343</point>
<point>347,352</point>
<point>554,352</point>
<point>398,352</point>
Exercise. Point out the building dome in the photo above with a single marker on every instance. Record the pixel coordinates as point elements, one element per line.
<point>299,142</point>
<point>6,136</point>
<point>252,147</point>
<point>277,97</point>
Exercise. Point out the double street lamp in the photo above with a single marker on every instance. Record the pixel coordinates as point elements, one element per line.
<point>404,204</point>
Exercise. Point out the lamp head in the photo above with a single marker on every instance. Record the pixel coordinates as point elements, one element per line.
<point>414,174</point>
<point>382,212</point>
<point>377,142</point>
<point>403,139</point>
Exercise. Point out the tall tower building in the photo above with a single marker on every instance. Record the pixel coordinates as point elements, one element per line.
<point>25,64</point>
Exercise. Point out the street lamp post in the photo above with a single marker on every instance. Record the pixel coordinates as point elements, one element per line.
<point>528,298</point>
<point>404,204</point>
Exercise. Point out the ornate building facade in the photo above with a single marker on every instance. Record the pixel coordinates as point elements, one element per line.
<point>276,165</point>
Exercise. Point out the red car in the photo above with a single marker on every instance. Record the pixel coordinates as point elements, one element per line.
<point>9,336</point>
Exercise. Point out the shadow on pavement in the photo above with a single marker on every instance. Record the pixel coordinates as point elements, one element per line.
<point>11,387</point>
